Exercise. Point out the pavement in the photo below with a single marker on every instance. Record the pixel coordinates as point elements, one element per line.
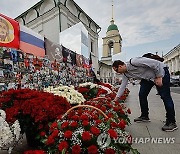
<point>148,138</point>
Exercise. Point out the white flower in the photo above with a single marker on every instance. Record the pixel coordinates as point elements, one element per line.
<point>92,85</point>
<point>9,135</point>
<point>73,96</point>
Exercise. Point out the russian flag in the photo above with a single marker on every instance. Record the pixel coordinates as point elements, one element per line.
<point>31,42</point>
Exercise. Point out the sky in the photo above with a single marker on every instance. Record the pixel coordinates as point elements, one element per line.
<point>144,25</point>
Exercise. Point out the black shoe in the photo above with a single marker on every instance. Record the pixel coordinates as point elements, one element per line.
<point>142,119</point>
<point>169,127</point>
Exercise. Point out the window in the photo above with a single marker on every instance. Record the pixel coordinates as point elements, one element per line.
<point>92,46</point>
<point>110,49</point>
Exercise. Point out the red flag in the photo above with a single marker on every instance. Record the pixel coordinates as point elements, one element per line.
<point>9,32</point>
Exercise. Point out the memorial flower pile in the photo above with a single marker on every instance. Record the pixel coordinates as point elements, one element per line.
<point>72,95</point>
<point>32,107</point>
<point>86,131</point>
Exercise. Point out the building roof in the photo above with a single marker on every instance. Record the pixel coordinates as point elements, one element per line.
<point>112,26</point>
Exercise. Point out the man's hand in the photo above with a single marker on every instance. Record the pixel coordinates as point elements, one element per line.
<point>158,81</point>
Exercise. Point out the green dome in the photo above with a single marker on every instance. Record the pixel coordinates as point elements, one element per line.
<point>112,27</point>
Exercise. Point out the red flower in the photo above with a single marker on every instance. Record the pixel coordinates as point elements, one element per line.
<point>121,111</point>
<point>54,125</point>
<point>75,117</point>
<point>110,115</point>
<point>83,90</point>
<point>116,109</point>
<point>110,151</point>
<point>50,140</point>
<point>55,133</point>
<point>122,124</point>
<point>92,149</point>
<point>64,124</point>
<point>113,124</point>
<point>68,134</point>
<point>74,124</point>
<point>98,121</point>
<point>95,130</point>
<point>63,145</point>
<point>129,111</point>
<point>86,136</point>
<point>103,108</point>
<point>85,123</point>
<point>94,117</point>
<point>112,133</point>
<point>84,117</point>
<point>76,149</point>
<point>42,133</point>
<point>123,97</point>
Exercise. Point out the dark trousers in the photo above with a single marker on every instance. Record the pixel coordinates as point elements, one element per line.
<point>164,92</point>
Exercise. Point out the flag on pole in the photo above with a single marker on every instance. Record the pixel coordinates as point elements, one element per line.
<point>31,42</point>
<point>9,32</point>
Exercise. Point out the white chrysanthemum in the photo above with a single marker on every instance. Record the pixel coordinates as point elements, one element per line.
<point>92,85</point>
<point>9,135</point>
<point>17,130</point>
<point>73,96</point>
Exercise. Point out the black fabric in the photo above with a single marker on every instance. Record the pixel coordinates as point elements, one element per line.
<point>153,56</point>
<point>53,51</point>
<point>73,58</point>
<point>6,54</point>
<point>131,63</point>
<point>66,55</point>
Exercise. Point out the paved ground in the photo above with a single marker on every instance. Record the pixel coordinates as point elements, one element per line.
<point>149,132</point>
<point>152,130</point>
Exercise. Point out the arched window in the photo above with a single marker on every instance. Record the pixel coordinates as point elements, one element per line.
<point>111,46</point>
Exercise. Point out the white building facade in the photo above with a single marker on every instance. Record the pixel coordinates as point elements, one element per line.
<point>172,59</point>
<point>50,17</point>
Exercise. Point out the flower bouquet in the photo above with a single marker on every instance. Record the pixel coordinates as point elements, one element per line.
<point>86,130</point>
<point>115,110</point>
<point>33,109</point>
<point>9,134</point>
<point>72,96</point>
<point>88,90</point>
<point>124,96</point>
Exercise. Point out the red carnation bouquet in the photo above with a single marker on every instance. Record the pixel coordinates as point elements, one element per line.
<point>86,130</point>
<point>91,91</point>
<point>34,109</point>
<point>115,110</point>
